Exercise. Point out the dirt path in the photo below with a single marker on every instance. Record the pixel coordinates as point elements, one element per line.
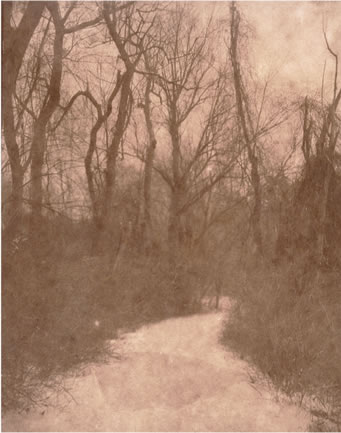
<point>174,377</point>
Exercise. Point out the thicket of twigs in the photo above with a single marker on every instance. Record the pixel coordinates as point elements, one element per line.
<point>64,309</point>
<point>286,319</point>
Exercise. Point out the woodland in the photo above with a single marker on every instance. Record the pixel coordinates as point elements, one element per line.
<point>147,166</point>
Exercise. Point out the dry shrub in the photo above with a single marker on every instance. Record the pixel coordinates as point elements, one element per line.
<point>44,330</point>
<point>144,289</point>
<point>292,338</point>
<point>60,311</point>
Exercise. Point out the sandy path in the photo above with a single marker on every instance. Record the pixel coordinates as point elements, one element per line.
<point>174,377</point>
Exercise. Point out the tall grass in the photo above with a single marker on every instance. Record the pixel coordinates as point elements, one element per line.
<point>61,308</point>
<point>293,338</point>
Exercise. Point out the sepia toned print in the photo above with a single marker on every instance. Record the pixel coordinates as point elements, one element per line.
<point>171,216</point>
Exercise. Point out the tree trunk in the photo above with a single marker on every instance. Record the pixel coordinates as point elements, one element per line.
<point>39,130</point>
<point>95,205</point>
<point>175,226</point>
<point>247,130</point>
<point>120,126</point>
<point>146,224</point>
<point>15,43</point>
<point>321,236</point>
<point>174,221</point>
<point>329,158</point>
<point>38,151</point>
<point>257,207</point>
<point>17,171</point>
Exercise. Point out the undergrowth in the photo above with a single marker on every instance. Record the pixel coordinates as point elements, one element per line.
<point>293,338</point>
<point>60,311</point>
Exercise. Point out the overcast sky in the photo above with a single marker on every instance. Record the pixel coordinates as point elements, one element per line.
<point>289,40</point>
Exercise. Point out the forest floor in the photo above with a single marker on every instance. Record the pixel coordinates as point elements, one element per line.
<point>171,376</point>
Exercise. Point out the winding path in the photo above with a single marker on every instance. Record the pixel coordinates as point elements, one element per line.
<point>174,376</point>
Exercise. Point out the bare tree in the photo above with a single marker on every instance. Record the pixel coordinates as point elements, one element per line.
<point>49,105</point>
<point>256,119</point>
<point>128,26</point>
<point>146,220</point>
<point>247,127</point>
<point>102,117</point>
<point>15,43</point>
<point>321,129</point>
<point>190,88</point>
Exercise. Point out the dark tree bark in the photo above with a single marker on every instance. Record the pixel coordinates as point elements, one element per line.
<point>15,42</point>
<point>120,127</point>
<point>178,187</point>
<point>315,191</point>
<point>95,195</point>
<point>146,224</point>
<point>247,129</point>
<point>40,125</point>
<point>310,232</point>
<point>110,10</point>
<point>48,108</point>
<point>326,145</point>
